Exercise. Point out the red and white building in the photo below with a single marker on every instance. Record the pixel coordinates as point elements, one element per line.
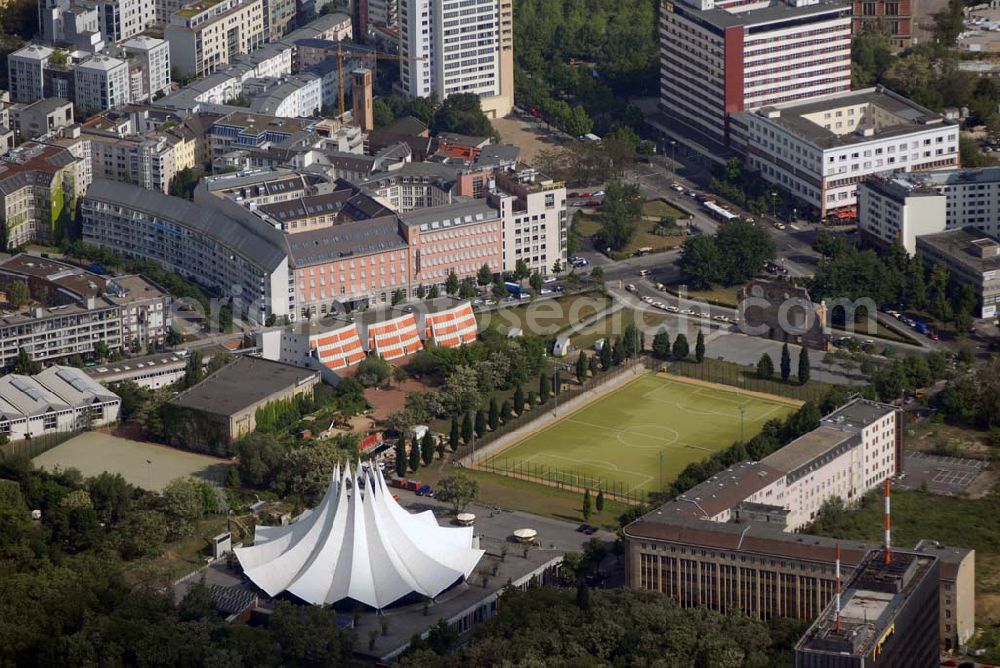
<point>452,326</point>
<point>393,338</point>
<point>718,58</point>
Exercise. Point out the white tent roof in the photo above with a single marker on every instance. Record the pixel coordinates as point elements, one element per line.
<point>359,543</point>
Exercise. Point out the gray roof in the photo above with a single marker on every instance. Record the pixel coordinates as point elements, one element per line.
<point>963,247</point>
<point>498,154</point>
<point>361,237</point>
<point>792,116</point>
<point>240,384</point>
<point>459,213</point>
<point>777,12</point>
<point>74,386</point>
<point>28,396</point>
<point>237,229</point>
<point>46,105</point>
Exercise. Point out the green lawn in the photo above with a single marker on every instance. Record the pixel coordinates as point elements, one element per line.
<point>587,225</point>
<point>616,442</point>
<point>614,326</point>
<point>544,317</point>
<point>659,208</point>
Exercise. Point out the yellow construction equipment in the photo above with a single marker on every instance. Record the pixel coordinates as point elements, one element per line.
<point>361,52</point>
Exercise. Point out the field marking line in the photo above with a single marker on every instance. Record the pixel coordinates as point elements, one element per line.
<point>607,466</point>
<point>773,398</point>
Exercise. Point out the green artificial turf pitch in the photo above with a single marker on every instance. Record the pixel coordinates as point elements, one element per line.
<point>615,442</point>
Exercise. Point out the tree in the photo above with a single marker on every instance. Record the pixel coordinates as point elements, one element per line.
<point>494,416</point>
<point>700,262</point>
<point>593,365</point>
<point>259,458</point>
<point>765,367</point>
<point>453,435</point>
<point>458,490</point>
<point>485,275</point>
<point>743,248</point>
<point>621,210</point>
<point>421,291</point>
<point>499,290</point>
<point>401,457</point>
<point>467,428</point>
<point>194,370</point>
<point>505,410</point>
<point>414,455</point>
<point>521,270</point>
<point>398,297</point>
<point>24,365</point>
<point>630,341</point>
<point>518,399</point>
<point>586,504</point>
<point>661,344</point>
<point>599,502</point>
<point>681,350</point>
<point>373,371</point>
<point>786,363</point>
<point>467,289</point>
<point>618,351</point>
<point>803,366</point>
<point>480,423</point>
<point>699,348</point>
<point>219,360</point>
<point>535,281</point>
<point>18,294</point>
<point>581,367</point>
<point>557,266</point>
<point>451,284</point>
<point>597,273</point>
<point>427,448</point>
<point>433,292</point>
<point>544,386</point>
<point>605,354</point>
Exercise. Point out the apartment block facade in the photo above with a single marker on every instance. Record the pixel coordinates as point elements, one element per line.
<point>26,72</point>
<point>151,70</point>
<point>102,83</point>
<point>458,46</point>
<point>722,57</point>
<point>208,34</point>
<point>39,186</point>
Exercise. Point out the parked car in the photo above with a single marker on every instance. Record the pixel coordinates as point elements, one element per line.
<point>599,193</point>
<point>692,193</point>
<point>545,291</point>
<point>593,202</point>
<point>573,195</point>
<point>549,279</point>
<point>425,490</point>
<point>644,272</point>
<point>673,309</point>
<point>676,186</point>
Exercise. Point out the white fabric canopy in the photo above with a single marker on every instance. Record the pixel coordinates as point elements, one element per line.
<point>359,543</point>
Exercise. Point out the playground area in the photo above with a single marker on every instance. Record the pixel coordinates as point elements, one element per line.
<point>638,438</point>
<point>147,465</point>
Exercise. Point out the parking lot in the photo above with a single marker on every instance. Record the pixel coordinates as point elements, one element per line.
<point>948,476</point>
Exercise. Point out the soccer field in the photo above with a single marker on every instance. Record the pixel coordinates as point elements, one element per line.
<point>617,440</point>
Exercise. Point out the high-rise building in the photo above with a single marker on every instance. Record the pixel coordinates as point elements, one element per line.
<point>458,46</point>
<point>895,17</point>
<point>26,72</point>
<point>151,57</point>
<point>361,90</point>
<point>121,19</point>
<point>887,615</point>
<point>725,56</point>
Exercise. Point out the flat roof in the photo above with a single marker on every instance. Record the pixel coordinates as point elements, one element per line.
<point>909,117</point>
<point>807,448</point>
<point>960,245</point>
<point>242,383</point>
<point>775,11</point>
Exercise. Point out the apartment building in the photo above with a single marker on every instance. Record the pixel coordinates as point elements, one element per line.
<point>59,399</point>
<point>74,310</point>
<point>150,58</point>
<point>535,219</point>
<point>26,72</point>
<point>208,34</point>
<point>122,19</point>
<point>458,46</point>
<point>280,16</point>
<point>101,83</point>
<point>719,57</point>
<point>822,149</point>
<point>45,116</point>
<point>150,160</point>
<point>296,96</point>
<point>265,186</point>
<point>734,542</point>
<point>66,23</point>
<point>231,253</point>
<point>39,186</point>
<point>415,185</point>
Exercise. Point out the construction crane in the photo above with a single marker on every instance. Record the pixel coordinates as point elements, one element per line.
<point>359,51</point>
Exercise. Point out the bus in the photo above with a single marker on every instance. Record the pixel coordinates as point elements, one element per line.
<point>718,212</point>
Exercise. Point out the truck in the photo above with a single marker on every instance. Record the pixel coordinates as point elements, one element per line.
<point>513,288</point>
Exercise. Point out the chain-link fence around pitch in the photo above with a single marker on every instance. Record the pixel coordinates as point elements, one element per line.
<point>727,373</point>
<point>37,445</point>
<point>561,478</point>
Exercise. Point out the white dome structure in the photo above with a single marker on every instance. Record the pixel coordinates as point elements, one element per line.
<point>359,543</point>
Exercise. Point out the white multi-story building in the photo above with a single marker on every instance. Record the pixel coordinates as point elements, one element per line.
<point>151,57</point>
<point>121,19</point>
<point>206,35</point>
<point>903,207</point>
<point>721,57</point>
<point>533,209</point>
<point>382,13</point>
<point>298,96</point>
<point>26,72</point>
<point>458,46</point>
<point>101,83</point>
<point>820,150</point>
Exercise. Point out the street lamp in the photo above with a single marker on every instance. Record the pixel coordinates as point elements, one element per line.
<point>673,157</point>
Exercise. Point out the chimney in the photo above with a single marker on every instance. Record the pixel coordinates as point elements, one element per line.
<point>838,587</point>
<point>888,526</point>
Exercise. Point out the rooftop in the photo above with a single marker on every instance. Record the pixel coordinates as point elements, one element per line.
<point>449,215</point>
<point>880,113</point>
<point>31,164</point>
<point>774,12</point>
<point>240,384</point>
<point>968,246</point>
<point>361,237</point>
<point>808,448</point>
